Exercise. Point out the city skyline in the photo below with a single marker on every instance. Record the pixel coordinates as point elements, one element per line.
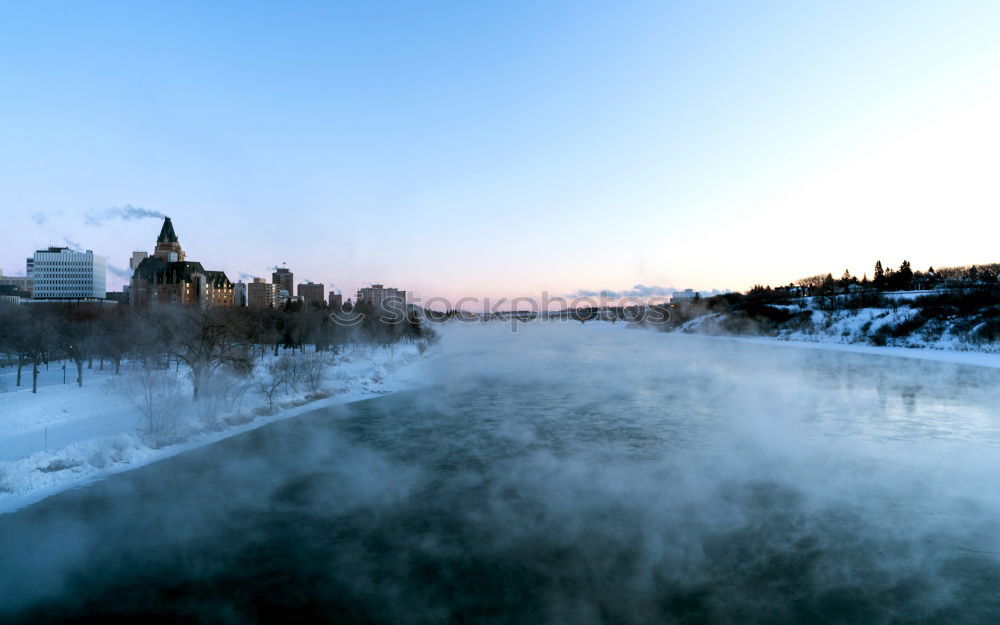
<point>468,151</point>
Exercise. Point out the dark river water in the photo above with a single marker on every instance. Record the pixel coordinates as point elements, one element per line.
<point>557,475</point>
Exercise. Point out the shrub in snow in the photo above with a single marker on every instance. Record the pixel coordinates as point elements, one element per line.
<point>157,393</point>
<point>59,464</point>
<point>311,367</point>
<point>277,373</point>
<point>223,393</point>
<point>98,460</point>
<point>112,450</point>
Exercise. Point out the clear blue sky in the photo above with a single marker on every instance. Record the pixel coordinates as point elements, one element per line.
<point>507,148</point>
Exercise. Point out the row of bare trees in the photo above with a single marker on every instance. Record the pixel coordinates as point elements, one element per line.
<point>205,341</point>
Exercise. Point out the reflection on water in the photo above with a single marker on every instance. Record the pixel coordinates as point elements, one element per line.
<point>564,474</point>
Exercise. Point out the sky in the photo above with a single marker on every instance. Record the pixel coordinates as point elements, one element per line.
<point>490,149</point>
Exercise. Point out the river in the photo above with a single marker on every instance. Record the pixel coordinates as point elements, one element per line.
<point>558,474</point>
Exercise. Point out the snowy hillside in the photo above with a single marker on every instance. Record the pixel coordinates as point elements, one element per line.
<point>904,324</point>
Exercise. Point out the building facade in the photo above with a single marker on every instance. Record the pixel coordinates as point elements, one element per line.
<point>336,300</point>
<point>383,300</point>
<point>682,295</point>
<point>284,279</point>
<point>378,295</point>
<point>166,278</point>
<point>262,294</point>
<point>137,257</point>
<point>11,295</point>
<point>61,273</point>
<point>312,294</point>
<point>120,297</point>
<point>240,295</point>
<point>21,283</point>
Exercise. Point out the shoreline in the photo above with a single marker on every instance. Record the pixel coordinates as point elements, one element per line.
<point>405,380</point>
<point>970,357</point>
<point>953,356</point>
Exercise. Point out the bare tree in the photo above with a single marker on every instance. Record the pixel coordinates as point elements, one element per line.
<point>204,340</point>
<point>74,331</point>
<point>277,372</point>
<point>312,366</point>
<point>15,326</point>
<point>36,340</point>
<point>156,392</point>
<point>116,337</point>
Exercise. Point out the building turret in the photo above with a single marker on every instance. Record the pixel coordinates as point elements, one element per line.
<point>168,248</point>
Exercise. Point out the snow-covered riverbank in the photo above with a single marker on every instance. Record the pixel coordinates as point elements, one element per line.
<point>939,328</point>
<point>960,357</point>
<point>65,436</point>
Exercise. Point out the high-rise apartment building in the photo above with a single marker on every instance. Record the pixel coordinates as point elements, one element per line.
<point>311,294</point>
<point>61,273</point>
<point>240,296</point>
<point>336,301</point>
<point>382,298</point>
<point>262,294</point>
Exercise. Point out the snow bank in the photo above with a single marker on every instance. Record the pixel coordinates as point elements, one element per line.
<point>67,436</point>
<point>901,326</point>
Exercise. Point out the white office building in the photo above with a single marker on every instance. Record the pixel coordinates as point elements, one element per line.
<point>61,273</point>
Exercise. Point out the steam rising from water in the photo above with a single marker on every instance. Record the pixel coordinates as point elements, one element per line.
<point>564,474</point>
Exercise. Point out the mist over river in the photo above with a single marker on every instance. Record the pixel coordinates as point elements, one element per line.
<point>560,474</point>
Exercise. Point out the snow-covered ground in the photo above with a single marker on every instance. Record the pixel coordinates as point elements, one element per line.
<point>896,326</point>
<point>837,340</point>
<point>960,357</point>
<point>66,436</point>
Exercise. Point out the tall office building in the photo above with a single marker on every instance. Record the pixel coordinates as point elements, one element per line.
<point>285,280</point>
<point>311,294</point>
<point>336,300</point>
<point>61,273</point>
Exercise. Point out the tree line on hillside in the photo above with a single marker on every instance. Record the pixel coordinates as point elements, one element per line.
<point>33,336</point>
<point>885,279</point>
<point>962,300</point>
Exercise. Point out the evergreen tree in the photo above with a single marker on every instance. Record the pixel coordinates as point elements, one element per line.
<point>846,280</point>
<point>904,277</point>
<point>828,283</point>
<point>879,279</point>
